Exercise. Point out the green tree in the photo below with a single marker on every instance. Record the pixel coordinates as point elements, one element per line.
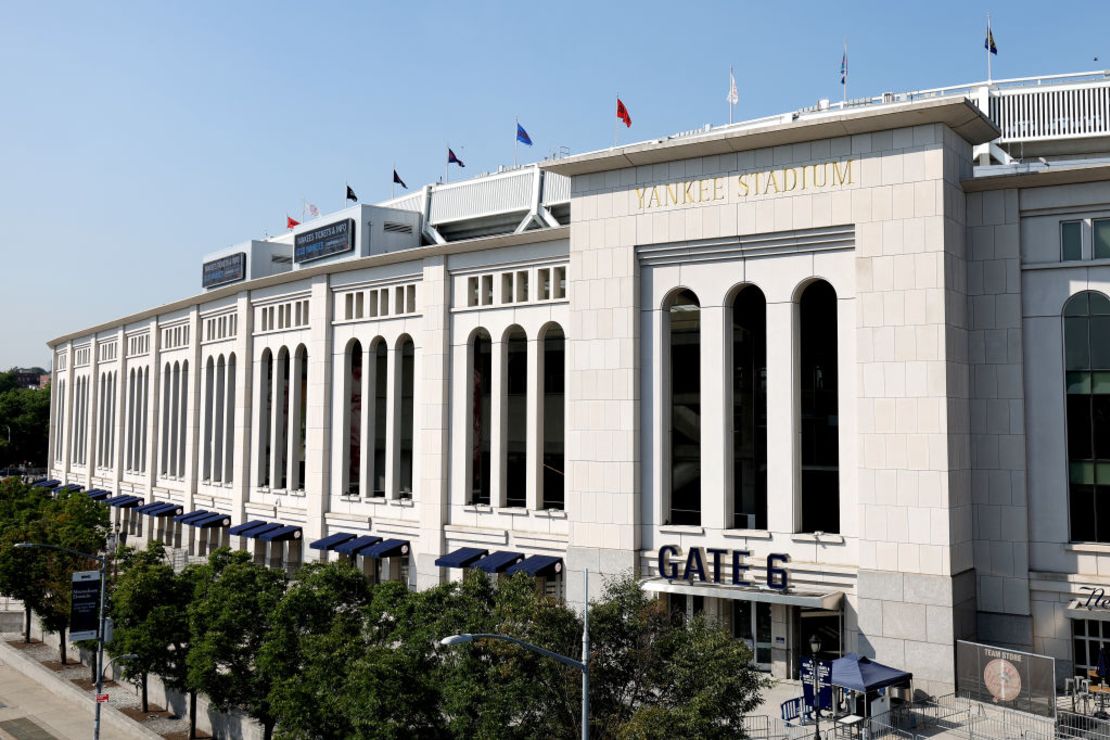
<point>315,634</point>
<point>229,619</point>
<point>21,576</point>
<point>74,521</point>
<point>25,415</point>
<point>150,611</point>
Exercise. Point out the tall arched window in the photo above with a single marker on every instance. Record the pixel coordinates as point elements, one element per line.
<point>265,415</point>
<point>182,420</point>
<point>301,428</point>
<point>353,419</point>
<point>229,421</point>
<point>749,409</point>
<point>817,375</point>
<point>553,441</point>
<point>209,401</point>
<point>1087,377</point>
<point>406,353</point>
<point>682,314</point>
<point>218,410</point>
<point>480,397</point>
<point>380,358</point>
<point>516,417</point>
<point>281,419</point>
<point>167,395</point>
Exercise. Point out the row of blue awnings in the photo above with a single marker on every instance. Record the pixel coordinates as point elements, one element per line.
<point>501,561</point>
<point>367,545</point>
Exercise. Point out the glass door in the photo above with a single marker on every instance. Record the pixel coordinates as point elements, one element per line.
<point>751,622</point>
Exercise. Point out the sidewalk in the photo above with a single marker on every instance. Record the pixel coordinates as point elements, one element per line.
<point>32,712</point>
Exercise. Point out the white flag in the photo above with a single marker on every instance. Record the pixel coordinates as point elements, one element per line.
<point>733,93</point>
<point>312,210</point>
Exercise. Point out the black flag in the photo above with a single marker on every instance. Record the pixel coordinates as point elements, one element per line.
<point>351,194</point>
<point>397,179</point>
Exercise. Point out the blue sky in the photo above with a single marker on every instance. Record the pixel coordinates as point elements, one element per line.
<point>137,136</point>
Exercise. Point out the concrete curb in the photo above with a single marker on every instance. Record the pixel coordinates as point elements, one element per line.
<point>40,674</point>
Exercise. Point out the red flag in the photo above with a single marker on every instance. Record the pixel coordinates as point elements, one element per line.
<point>291,222</point>
<point>622,113</point>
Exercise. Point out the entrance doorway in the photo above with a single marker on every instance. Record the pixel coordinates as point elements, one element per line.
<point>751,622</point>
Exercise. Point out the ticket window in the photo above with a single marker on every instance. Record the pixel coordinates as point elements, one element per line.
<point>751,622</point>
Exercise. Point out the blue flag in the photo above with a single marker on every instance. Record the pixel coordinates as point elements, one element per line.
<point>522,135</point>
<point>452,159</point>
<point>988,42</point>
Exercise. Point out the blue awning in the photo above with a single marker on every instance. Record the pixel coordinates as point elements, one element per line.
<point>47,483</point>
<point>125,502</point>
<point>165,509</point>
<point>387,549</point>
<point>245,526</point>
<point>332,541</point>
<point>261,530</point>
<point>147,507</point>
<point>461,558</point>
<point>97,494</point>
<point>282,533</point>
<point>70,487</point>
<point>355,546</point>
<point>211,519</point>
<point>192,515</point>
<point>498,561</point>
<point>538,565</point>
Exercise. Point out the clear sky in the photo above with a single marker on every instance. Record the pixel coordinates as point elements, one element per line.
<point>137,136</point>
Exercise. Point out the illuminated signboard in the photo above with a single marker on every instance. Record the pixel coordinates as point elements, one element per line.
<point>325,241</point>
<point>230,269</point>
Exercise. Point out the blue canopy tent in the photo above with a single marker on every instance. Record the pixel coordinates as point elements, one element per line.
<point>864,676</point>
<point>857,673</point>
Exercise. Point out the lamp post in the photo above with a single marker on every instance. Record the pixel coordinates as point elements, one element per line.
<point>102,561</point>
<point>815,647</point>
<point>582,665</point>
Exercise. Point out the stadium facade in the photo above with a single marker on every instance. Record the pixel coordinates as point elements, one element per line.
<point>843,371</point>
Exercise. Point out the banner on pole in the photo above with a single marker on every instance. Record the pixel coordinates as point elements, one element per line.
<point>84,606</point>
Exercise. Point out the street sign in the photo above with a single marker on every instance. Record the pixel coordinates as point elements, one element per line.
<point>824,679</point>
<point>84,605</point>
<point>101,698</point>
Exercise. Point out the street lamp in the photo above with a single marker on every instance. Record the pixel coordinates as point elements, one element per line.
<point>815,647</point>
<point>582,665</point>
<point>102,560</point>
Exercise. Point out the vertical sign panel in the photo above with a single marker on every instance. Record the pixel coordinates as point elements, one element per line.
<point>84,605</point>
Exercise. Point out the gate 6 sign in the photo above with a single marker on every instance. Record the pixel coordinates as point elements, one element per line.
<point>704,564</point>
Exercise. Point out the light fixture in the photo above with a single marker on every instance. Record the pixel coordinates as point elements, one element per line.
<point>814,644</point>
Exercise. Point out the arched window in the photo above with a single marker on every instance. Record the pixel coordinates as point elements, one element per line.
<point>407,355</point>
<point>682,314</point>
<point>145,390</point>
<point>515,416</point>
<point>281,420</point>
<point>352,397</point>
<point>300,429</point>
<point>481,366</point>
<point>183,413</point>
<point>749,409</point>
<point>817,375</point>
<point>209,400</point>
<point>265,415</point>
<point>229,421</point>
<point>1087,378</point>
<point>380,359</point>
<point>218,410</point>
<point>553,440</point>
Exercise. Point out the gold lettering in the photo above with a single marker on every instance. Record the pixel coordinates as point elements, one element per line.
<point>742,181</point>
<point>772,181</point>
<point>702,190</point>
<point>789,179</point>
<point>718,185</point>
<point>824,179</point>
<point>846,175</point>
<point>640,195</point>
<point>654,196</point>
<point>688,191</point>
<point>757,183</point>
<point>672,194</point>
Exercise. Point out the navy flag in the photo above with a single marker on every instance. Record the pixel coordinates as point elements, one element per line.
<point>452,159</point>
<point>988,42</point>
<point>351,194</point>
<point>522,135</point>
<point>397,179</point>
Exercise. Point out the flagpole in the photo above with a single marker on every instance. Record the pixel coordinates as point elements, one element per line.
<point>447,167</point>
<point>844,81</point>
<point>988,49</point>
<point>730,103</point>
<point>615,125</point>
<point>516,138</point>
